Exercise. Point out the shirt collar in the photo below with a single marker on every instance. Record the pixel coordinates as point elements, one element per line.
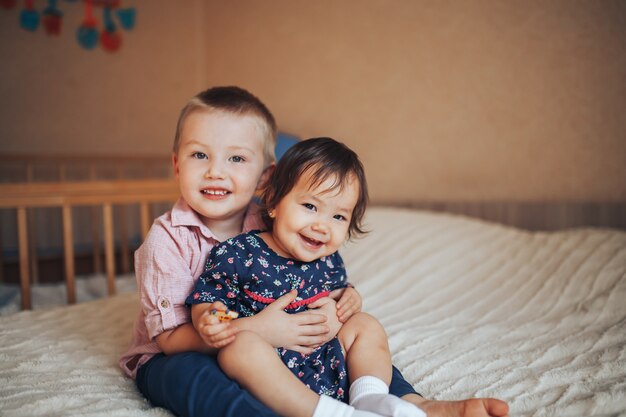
<point>184,215</point>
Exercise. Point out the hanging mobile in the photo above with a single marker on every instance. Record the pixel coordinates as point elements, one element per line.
<point>87,34</point>
<point>110,38</point>
<point>52,18</point>
<point>127,17</point>
<point>29,18</point>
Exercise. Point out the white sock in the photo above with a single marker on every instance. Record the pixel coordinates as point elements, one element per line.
<point>369,393</point>
<point>329,407</point>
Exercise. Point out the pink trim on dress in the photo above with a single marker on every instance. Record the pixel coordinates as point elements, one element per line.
<point>294,305</point>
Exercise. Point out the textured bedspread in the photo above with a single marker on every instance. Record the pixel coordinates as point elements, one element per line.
<point>471,309</point>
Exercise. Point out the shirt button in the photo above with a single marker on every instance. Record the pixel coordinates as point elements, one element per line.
<point>165,304</point>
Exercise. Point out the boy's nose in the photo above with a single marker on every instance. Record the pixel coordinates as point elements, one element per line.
<point>214,171</point>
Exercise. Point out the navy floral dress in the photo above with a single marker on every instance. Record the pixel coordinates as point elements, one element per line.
<point>246,275</point>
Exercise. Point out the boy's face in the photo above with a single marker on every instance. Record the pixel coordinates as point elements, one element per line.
<point>312,222</point>
<point>219,164</point>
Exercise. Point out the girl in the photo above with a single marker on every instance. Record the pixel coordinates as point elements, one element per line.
<point>316,199</point>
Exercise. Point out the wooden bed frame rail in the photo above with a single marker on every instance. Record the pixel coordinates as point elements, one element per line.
<point>29,167</point>
<point>67,195</point>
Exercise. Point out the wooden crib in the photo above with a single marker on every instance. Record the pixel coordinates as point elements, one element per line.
<point>109,186</point>
<point>68,195</point>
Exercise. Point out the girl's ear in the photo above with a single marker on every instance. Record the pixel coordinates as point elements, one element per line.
<point>265,177</point>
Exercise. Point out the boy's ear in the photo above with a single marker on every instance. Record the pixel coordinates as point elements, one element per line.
<point>175,164</point>
<point>265,177</point>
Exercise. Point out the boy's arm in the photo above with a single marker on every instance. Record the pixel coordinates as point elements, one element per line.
<point>161,267</point>
<point>349,301</point>
<point>183,338</point>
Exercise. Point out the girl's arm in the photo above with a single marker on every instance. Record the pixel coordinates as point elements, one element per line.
<point>221,282</point>
<point>214,334</point>
<point>327,306</point>
<point>301,332</point>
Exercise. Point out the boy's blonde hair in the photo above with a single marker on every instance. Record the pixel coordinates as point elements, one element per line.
<point>234,100</point>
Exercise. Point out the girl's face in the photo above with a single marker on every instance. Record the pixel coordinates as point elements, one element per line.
<point>219,164</point>
<point>313,221</point>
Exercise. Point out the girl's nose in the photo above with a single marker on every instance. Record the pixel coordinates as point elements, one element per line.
<point>320,227</point>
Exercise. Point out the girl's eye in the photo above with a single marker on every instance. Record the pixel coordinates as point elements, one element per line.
<point>339,217</point>
<point>309,206</point>
<point>199,155</point>
<point>236,158</point>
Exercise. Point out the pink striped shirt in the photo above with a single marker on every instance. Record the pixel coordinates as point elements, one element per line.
<point>167,265</point>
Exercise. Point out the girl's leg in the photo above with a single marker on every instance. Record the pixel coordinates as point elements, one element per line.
<point>254,364</point>
<point>367,351</point>
<point>357,335</point>
<point>369,368</point>
<point>192,384</point>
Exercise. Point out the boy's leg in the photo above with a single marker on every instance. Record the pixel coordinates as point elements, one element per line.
<point>472,407</point>
<point>254,364</point>
<point>369,368</point>
<point>192,384</point>
<point>400,387</point>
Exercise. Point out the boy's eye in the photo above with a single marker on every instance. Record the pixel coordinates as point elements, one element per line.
<point>309,206</point>
<point>199,155</point>
<point>236,158</point>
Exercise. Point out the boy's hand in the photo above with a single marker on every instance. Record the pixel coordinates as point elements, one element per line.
<point>301,332</point>
<point>327,306</point>
<point>350,302</point>
<point>215,333</point>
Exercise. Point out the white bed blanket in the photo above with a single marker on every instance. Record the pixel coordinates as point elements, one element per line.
<point>471,309</point>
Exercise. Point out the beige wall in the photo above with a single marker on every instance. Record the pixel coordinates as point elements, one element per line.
<point>60,98</point>
<point>450,100</point>
<point>444,101</point>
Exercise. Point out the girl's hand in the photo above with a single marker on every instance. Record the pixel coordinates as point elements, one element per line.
<point>214,333</point>
<point>350,302</point>
<point>301,332</point>
<point>327,306</point>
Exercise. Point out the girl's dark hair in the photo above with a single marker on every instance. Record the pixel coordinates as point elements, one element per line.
<point>323,158</point>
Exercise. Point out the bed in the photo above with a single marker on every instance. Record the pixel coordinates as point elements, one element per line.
<point>472,308</point>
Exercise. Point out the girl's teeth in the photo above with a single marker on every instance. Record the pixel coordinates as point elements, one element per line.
<point>214,192</point>
<point>312,241</point>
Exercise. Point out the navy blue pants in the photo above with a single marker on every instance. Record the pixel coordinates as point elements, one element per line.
<point>192,384</point>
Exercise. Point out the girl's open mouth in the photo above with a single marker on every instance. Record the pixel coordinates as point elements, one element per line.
<point>314,243</point>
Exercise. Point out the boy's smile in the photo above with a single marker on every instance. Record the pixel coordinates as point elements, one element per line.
<point>219,165</point>
<point>215,194</point>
